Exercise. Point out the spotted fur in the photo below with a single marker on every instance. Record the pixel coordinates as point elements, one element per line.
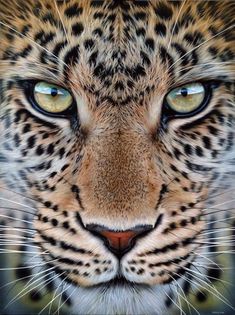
<point>120,161</point>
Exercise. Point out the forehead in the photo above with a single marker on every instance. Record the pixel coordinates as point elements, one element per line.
<point>116,48</point>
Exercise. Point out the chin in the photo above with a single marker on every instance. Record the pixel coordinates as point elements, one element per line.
<point>119,296</point>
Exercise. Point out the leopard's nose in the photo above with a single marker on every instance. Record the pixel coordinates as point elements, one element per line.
<point>119,242</point>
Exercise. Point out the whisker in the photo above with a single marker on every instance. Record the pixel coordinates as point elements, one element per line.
<point>15,219</point>
<point>16,209</point>
<point>34,43</point>
<point>172,300</point>
<point>17,203</point>
<point>185,298</point>
<point>176,21</point>
<point>60,306</point>
<point>54,297</point>
<point>20,194</point>
<point>196,47</point>
<point>26,288</point>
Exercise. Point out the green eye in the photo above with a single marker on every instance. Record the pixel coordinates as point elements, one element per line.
<point>186,98</point>
<point>52,98</point>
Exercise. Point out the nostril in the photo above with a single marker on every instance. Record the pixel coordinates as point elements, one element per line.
<point>119,242</point>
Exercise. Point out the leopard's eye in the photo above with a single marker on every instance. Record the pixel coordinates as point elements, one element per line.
<point>52,98</point>
<point>187,98</point>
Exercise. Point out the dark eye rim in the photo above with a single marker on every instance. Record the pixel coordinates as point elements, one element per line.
<point>168,113</point>
<point>28,87</point>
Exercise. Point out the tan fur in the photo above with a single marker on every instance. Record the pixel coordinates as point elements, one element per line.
<point>121,156</point>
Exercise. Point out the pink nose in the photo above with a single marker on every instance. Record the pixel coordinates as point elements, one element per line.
<point>119,242</point>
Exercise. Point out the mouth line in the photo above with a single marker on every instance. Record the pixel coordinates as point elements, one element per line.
<point>121,281</point>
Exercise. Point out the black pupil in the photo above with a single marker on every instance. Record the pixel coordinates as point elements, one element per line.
<point>184,91</point>
<point>54,91</point>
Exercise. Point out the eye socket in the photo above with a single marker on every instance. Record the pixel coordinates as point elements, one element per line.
<point>187,99</point>
<point>52,98</point>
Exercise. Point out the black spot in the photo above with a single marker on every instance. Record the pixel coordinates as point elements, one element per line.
<point>140,31</point>
<point>111,17</point>
<point>142,3</point>
<point>183,223</point>
<point>58,47</point>
<point>77,29</point>
<point>55,208</point>
<point>213,51</point>
<point>183,208</point>
<point>23,271</point>
<point>97,3</point>
<point>63,168</point>
<point>39,150</point>
<point>119,86</point>
<point>45,219</point>
<point>73,11</point>
<point>89,44</point>
<point>176,3</point>
<point>98,31</point>
<point>25,52</point>
<point>201,297</point>
<point>93,58</point>
<point>98,70</point>
<point>66,225</point>
<point>61,152</point>
<point>145,58</point>
<point>206,142</point>
<point>54,222</point>
<point>193,38</point>
<point>214,273</point>
<point>25,29</point>
<point>136,72</point>
<point>65,213</point>
<point>50,149</point>
<point>169,301</point>
<point>226,55</point>
<point>213,130</point>
<point>193,220</point>
<point>35,296</point>
<point>47,204</point>
<point>160,29</point>
<point>50,18</point>
<point>17,140</point>
<point>166,58</point>
<point>27,128</point>
<point>149,42</point>
<point>98,15</point>
<point>163,11</point>
<point>172,225</point>
<point>140,271</point>
<point>44,38</point>
<point>67,300</point>
<point>140,15</point>
<point>72,56</point>
<point>188,149</point>
<point>182,52</point>
<point>174,168</point>
<point>199,151</point>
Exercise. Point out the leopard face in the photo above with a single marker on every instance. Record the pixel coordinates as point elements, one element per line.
<point>119,161</point>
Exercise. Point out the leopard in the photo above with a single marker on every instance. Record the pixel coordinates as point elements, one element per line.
<point>116,156</point>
